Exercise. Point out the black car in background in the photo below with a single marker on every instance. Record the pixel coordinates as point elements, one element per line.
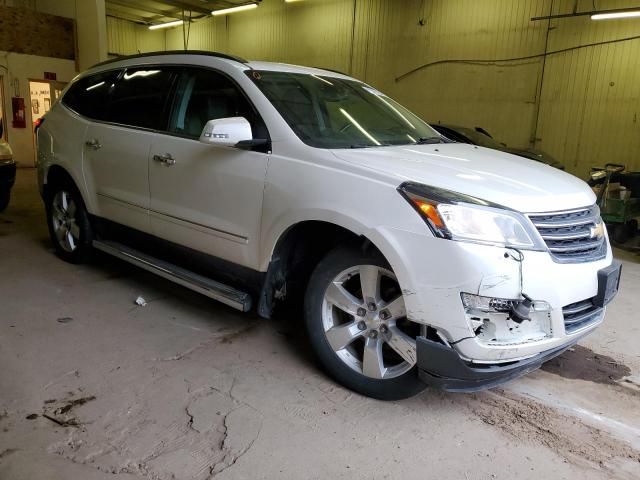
<point>479,136</point>
<point>7,170</point>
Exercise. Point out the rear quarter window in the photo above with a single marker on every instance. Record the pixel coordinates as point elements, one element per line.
<point>89,96</point>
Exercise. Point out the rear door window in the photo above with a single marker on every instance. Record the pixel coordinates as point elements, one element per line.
<point>89,96</point>
<point>140,97</point>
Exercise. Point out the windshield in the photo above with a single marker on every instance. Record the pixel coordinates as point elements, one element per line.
<point>329,112</point>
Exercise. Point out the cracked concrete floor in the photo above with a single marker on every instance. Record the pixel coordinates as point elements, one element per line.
<point>95,387</point>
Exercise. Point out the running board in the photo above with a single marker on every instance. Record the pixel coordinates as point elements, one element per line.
<point>206,286</point>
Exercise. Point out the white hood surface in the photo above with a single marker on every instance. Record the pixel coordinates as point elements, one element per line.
<point>509,180</point>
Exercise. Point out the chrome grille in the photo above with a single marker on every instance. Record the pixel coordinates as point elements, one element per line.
<point>568,234</point>
<point>580,314</point>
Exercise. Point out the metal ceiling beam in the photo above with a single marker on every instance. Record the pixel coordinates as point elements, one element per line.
<point>129,18</point>
<point>158,13</point>
<point>582,14</point>
<point>187,6</point>
<point>228,4</point>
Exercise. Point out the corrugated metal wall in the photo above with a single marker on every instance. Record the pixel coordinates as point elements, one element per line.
<point>207,34</point>
<point>128,38</point>
<point>458,82</point>
<point>591,96</point>
<point>312,33</point>
<point>443,59</point>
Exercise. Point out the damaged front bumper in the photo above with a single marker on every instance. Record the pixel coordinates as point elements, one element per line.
<point>437,285</point>
<point>464,292</point>
<point>442,367</point>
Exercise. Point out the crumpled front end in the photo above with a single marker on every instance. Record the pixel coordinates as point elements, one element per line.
<point>466,293</point>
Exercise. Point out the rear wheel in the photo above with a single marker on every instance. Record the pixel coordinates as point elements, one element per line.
<point>68,221</point>
<point>358,327</point>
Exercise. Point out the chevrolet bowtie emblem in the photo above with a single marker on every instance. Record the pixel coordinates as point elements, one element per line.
<point>597,231</point>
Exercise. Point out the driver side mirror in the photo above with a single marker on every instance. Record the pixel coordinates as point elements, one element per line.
<point>227,132</point>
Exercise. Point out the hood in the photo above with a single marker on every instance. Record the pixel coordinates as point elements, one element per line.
<point>498,177</point>
<point>537,155</point>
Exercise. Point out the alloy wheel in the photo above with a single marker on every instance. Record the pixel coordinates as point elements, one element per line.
<point>63,219</point>
<point>365,322</point>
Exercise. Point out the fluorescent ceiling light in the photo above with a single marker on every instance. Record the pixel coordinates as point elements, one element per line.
<point>165,25</point>
<point>240,8</point>
<point>140,73</point>
<point>291,1</point>
<point>614,15</point>
<point>94,86</point>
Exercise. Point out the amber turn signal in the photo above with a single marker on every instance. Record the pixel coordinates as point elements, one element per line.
<point>430,211</point>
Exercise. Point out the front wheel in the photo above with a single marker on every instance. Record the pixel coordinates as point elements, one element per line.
<point>358,326</point>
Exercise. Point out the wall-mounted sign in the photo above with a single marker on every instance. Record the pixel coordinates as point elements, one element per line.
<point>50,76</point>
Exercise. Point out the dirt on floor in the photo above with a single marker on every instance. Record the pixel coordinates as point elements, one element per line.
<point>527,420</point>
<point>582,363</point>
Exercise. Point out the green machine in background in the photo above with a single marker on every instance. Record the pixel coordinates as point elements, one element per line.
<point>618,197</point>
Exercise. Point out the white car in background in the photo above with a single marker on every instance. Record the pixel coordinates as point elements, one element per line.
<point>268,186</point>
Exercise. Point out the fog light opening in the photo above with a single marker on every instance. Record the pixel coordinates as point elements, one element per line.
<point>501,321</point>
<point>487,304</point>
<point>521,311</point>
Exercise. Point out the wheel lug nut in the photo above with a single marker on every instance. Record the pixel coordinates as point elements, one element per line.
<point>361,312</point>
<point>383,329</point>
<point>373,334</point>
<point>372,306</point>
<point>385,315</point>
<point>362,326</point>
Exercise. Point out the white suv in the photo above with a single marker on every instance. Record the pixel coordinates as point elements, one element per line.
<point>414,259</point>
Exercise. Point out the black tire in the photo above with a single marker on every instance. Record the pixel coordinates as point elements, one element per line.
<point>632,227</point>
<point>4,200</point>
<point>335,262</point>
<point>83,246</point>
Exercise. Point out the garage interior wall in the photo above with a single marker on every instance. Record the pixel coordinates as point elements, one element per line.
<point>127,38</point>
<point>20,69</point>
<point>444,60</point>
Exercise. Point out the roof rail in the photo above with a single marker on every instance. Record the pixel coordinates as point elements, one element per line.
<point>332,70</point>
<point>173,52</point>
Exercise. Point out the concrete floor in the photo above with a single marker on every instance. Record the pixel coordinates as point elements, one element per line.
<point>94,387</point>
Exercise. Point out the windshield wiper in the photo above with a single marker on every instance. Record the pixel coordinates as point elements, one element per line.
<point>429,140</point>
<point>368,145</point>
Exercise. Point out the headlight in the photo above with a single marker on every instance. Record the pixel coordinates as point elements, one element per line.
<point>461,217</point>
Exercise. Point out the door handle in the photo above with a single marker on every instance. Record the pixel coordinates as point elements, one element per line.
<point>94,143</point>
<point>165,159</point>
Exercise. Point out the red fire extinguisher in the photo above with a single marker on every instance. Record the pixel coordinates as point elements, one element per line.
<point>19,114</point>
